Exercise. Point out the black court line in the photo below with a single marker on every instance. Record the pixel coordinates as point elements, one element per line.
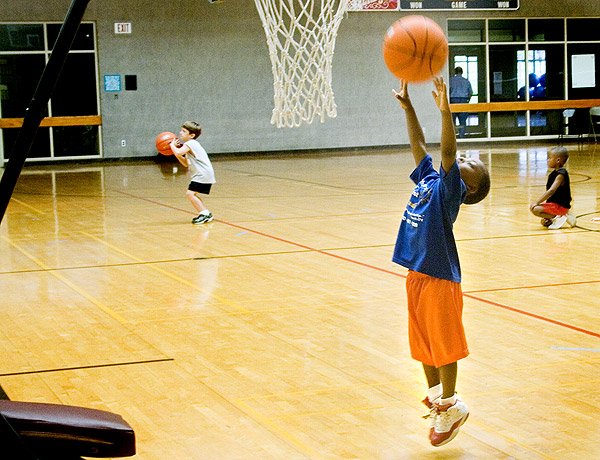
<point>153,262</point>
<point>584,228</point>
<point>91,366</point>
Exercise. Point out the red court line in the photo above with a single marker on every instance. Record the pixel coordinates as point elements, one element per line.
<point>535,286</point>
<point>383,270</point>
<point>533,315</point>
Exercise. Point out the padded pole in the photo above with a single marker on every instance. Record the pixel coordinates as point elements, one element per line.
<point>37,107</point>
<point>11,443</point>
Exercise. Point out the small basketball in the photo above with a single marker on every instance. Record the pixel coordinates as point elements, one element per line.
<point>415,49</point>
<point>163,141</point>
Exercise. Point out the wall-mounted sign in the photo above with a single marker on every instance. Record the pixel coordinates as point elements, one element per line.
<point>419,5</point>
<point>122,27</point>
<point>373,5</point>
<point>112,82</point>
<point>583,71</point>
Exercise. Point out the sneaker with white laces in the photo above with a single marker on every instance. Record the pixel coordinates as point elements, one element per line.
<point>558,222</point>
<point>571,219</point>
<point>432,413</point>
<point>203,219</point>
<point>448,421</point>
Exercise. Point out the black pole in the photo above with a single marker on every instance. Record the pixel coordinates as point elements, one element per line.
<point>37,107</point>
<point>12,444</point>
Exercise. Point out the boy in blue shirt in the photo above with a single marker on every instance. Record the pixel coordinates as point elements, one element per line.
<point>426,246</point>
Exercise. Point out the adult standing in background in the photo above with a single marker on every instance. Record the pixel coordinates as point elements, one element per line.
<point>460,93</point>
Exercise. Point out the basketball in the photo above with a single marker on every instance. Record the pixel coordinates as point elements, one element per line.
<point>415,49</point>
<point>163,141</point>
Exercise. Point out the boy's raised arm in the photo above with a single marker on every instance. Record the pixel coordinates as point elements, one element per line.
<point>448,141</point>
<point>415,132</point>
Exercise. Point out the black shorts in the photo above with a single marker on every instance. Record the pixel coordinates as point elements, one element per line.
<point>199,187</point>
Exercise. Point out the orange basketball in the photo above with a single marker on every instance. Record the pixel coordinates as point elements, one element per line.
<point>163,141</point>
<point>415,49</point>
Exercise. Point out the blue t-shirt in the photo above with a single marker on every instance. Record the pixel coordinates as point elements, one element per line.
<point>425,240</point>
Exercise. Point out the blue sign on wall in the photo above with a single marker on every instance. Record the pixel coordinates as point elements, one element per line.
<point>112,82</point>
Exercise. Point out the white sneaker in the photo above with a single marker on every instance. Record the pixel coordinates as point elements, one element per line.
<point>432,413</point>
<point>571,219</point>
<point>448,421</point>
<point>558,222</point>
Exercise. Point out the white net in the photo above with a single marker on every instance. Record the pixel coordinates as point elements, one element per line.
<point>301,39</point>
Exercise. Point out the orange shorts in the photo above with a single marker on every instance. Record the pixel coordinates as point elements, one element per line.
<point>435,331</point>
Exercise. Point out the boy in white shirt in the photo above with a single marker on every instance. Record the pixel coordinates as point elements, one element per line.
<point>191,154</point>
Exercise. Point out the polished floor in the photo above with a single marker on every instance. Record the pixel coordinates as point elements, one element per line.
<point>278,332</point>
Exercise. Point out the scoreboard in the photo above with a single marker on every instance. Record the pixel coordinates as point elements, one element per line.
<point>423,5</point>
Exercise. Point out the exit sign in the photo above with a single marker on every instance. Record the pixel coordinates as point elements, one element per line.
<point>122,27</point>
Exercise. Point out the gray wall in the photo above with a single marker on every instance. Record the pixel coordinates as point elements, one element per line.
<point>210,63</point>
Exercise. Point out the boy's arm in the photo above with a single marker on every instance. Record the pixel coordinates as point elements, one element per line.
<point>560,179</point>
<point>448,141</point>
<point>415,132</point>
<point>180,152</point>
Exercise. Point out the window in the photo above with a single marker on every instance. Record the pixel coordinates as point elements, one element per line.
<point>510,60</point>
<point>536,71</point>
<point>546,30</point>
<point>21,37</point>
<point>84,40</point>
<point>24,51</point>
<point>504,72</point>
<point>583,29</point>
<point>466,31</point>
<point>506,30</point>
<point>470,72</point>
<point>19,75</point>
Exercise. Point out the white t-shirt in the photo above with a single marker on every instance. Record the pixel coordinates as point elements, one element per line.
<point>200,166</point>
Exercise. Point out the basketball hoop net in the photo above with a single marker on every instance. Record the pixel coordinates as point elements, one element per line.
<point>301,39</point>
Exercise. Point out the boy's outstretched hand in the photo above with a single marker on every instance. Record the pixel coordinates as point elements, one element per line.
<point>441,96</point>
<point>402,95</point>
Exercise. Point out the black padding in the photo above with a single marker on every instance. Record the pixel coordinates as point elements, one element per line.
<point>69,430</point>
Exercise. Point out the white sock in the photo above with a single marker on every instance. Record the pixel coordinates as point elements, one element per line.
<point>206,212</point>
<point>434,392</point>
<point>451,400</point>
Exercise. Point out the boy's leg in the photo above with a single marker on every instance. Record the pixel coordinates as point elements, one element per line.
<point>448,375</point>
<point>539,212</point>
<point>462,126</point>
<point>196,202</point>
<point>451,412</point>
<point>434,393</point>
<point>546,217</point>
<point>205,216</point>
<point>432,375</point>
<point>438,296</point>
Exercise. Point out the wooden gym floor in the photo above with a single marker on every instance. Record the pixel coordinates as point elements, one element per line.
<point>278,332</point>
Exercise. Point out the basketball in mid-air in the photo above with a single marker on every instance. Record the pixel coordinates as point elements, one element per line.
<point>163,141</point>
<point>415,49</point>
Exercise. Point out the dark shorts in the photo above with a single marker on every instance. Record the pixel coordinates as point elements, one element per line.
<point>199,188</point>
